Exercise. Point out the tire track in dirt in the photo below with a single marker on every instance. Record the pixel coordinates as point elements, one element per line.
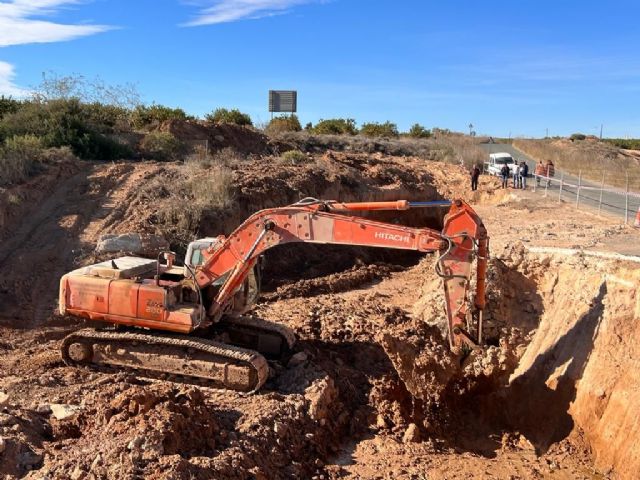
<point>43,247</point>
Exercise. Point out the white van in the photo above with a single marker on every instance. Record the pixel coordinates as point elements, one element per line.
<point>497,161</point>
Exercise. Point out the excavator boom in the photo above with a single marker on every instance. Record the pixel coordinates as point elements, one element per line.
<point>462,240</point>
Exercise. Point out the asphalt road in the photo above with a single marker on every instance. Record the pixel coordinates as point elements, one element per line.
<point>613,203</point>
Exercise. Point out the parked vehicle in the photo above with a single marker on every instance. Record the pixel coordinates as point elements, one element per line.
<point>496,162</point>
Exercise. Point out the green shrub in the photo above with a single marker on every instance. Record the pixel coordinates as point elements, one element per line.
<point>20,157</point>
<point>283,124</point>
<point>107,118</point>
<point>335,126</point>
<point>31,119</point>
<point>144,116</point>
<point>8,105</point>
<point>374,129</point>
<point>235,116</point>
<point>162,146</point>
<point>577,136</point>
<point>294,157</point>
<point>59,123</point>
<point>418,131</point>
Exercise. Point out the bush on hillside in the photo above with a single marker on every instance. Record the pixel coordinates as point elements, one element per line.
<point>106,118</point>
<point>162,146</point>
<point>374,129</point>
<point>145,116</point>
<point>335,126</point>
<point>61,123</point>
<point>294,157</point>
<point>283,124</point>
<point>235,116</point>
<point>418,131</point>
<point>577,136</point>
<point>20,157</point>
<point>8,105</point>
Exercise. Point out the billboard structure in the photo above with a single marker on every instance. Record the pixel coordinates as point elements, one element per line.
<point>283,101</point>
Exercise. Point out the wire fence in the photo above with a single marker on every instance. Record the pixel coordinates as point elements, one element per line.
<point>623,202</point>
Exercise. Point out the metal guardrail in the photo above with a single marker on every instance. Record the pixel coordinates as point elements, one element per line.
<point>564,188</point>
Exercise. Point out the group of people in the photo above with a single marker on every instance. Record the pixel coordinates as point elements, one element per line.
<point>519,174</point>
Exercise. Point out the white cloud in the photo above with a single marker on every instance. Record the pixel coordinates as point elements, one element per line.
<point>222,11</point>
<point>7,87</point>
<point>21,23</point>
<point>18,25</point>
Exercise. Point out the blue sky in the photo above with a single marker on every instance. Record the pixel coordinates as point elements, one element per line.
<point>507,67</point>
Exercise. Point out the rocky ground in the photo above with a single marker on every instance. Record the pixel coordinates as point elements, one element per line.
<point>372,390</point>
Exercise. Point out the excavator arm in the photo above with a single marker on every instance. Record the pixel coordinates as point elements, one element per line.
<point>462,240</point>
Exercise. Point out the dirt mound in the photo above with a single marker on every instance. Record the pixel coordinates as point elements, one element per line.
<point>126,427</point>
<point>422,357</point>
<point>22,436</point>
<point>217,136</point>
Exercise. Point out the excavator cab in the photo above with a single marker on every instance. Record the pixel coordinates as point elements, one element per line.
<point>246,296</point>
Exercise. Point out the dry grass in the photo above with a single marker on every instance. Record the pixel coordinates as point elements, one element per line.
<point>461,149</point>
<point>20,157</point>
<point>589,157</point>
<point>458,149</point>
<point>294,157</point>
<point>202,185</point>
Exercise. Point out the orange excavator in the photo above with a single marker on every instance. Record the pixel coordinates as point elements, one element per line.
<point>191,322</point>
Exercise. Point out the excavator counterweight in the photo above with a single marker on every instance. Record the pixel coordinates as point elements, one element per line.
<point>195,316</point>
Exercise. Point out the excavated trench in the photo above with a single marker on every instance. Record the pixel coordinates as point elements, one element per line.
<point>562,334</point>
<point>565,332</point>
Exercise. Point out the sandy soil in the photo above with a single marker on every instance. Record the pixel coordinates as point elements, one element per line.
<point>373,391</point>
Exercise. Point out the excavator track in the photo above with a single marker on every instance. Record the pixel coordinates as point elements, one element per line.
<point>193,359</point>
<point>272,340</point>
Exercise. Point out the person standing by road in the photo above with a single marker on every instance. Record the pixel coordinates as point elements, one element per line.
<point>550,171</point>
<point>475,175</point>
<point>540,171</point>
<point>516,175</point>
<point>524,172</point>
<point>504,173</point>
